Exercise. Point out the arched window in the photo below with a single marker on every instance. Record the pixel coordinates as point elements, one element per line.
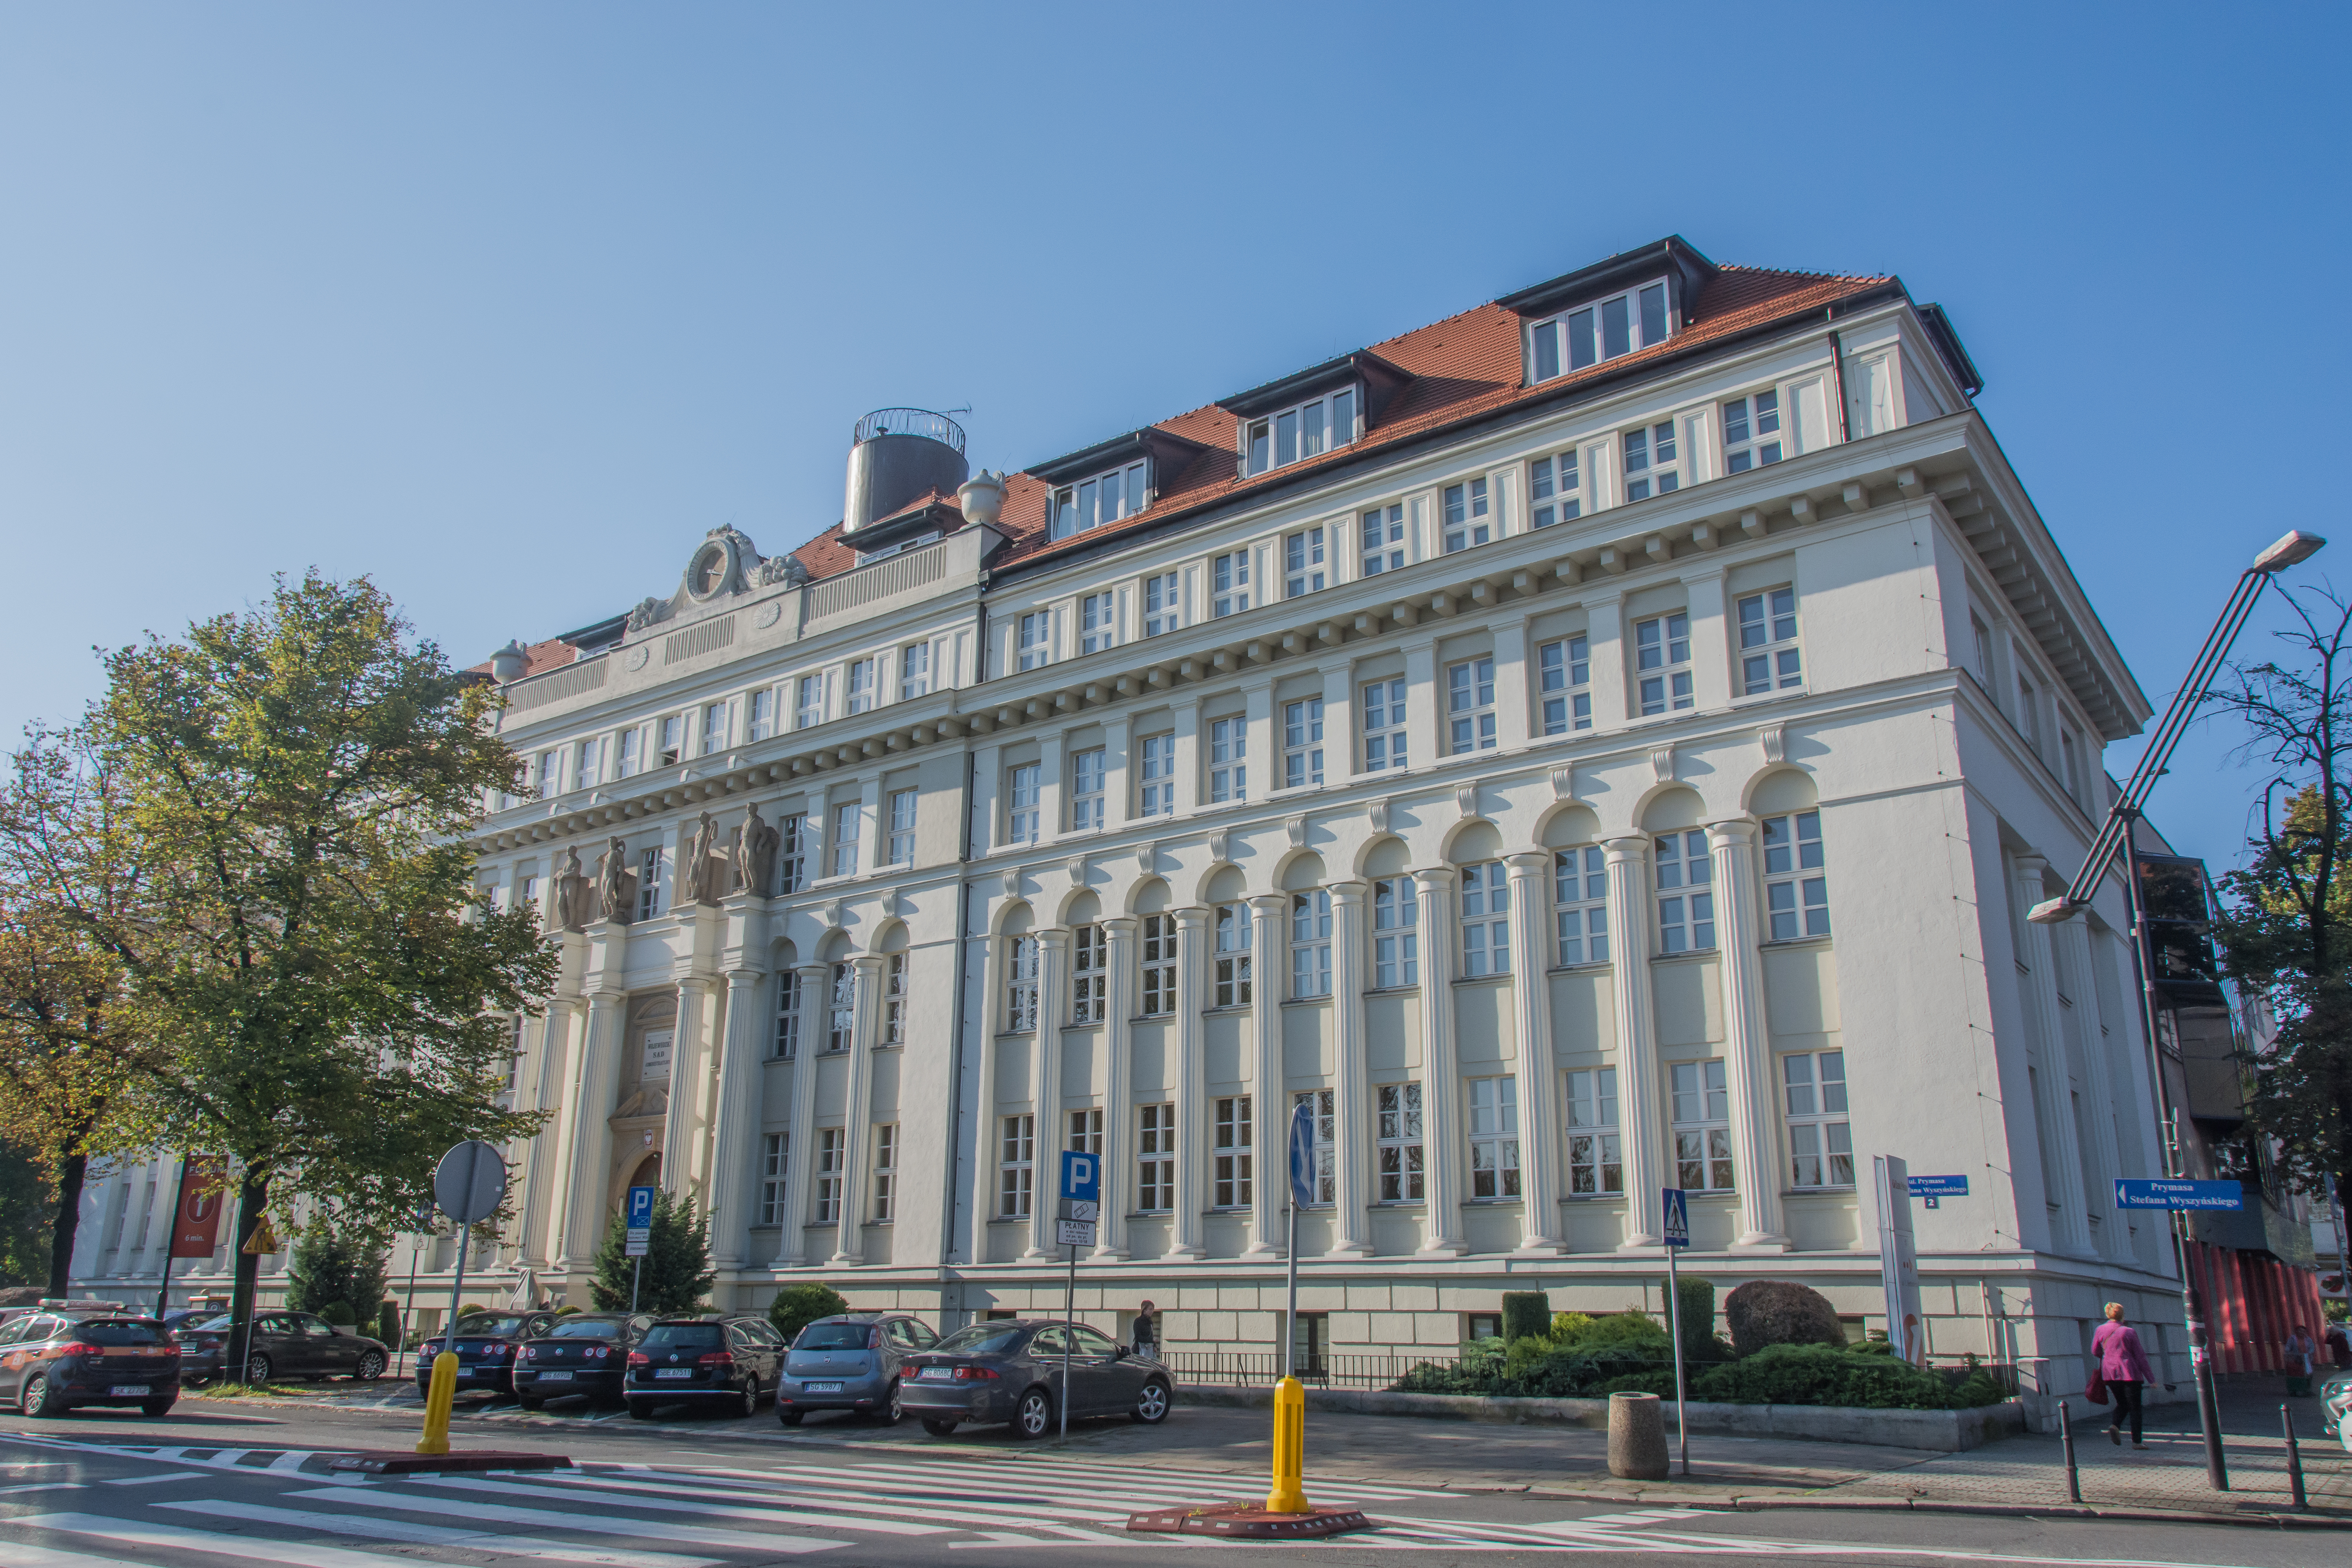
<point>1485,919</point>
<point>1020,984</point>
<point>843,1022</point>
<point>1088,978</point>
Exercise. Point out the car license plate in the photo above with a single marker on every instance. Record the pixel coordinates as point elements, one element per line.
<point>128,1390</point>
<point>820,1388</point>
<point>555,1377</point>
<point>936,1374</point>
<point>673,1372</point>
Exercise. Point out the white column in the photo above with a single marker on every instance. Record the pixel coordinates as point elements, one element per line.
<point>1045,1088</point>
<point>1747,1040</point>
<point>1539,1135</point>
<point>800,1158</point>
<point>1118,1115</point>
<point>856,1111</point>
<point>591,1130</point>
<point>2074,943</point>
<point>1637,1059</point>
<point>685,1061</point>
<point>1441,1090</point>
<point>1191,1087</point>
<point>739,1104</point>
<point>542,1169</point>
<point>985,1116</point>
<point>2052,1100</point>
<point>1351,1109</point>
<point>1270,1194</point>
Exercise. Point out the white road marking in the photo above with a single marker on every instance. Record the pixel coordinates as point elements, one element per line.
<point>638,1530</point>
<point>917,1505</point>
<point>436,1535</point>
<point>43,1487</point>
<point>298,1554</point>
<point>758,1515</point>
<point>22,1556</point>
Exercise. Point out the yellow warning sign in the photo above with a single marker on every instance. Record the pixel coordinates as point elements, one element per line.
<point>264,1239</point>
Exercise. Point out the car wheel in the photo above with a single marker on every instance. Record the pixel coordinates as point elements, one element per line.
<point>38,1400</point>
<point>641,1410</point>
<point>158,1407</point>
<point>1151,1405</point>
<point>257,1368</point>
<point>789,1417</point>
<point>751,1394</point>
<point>937,1428</point>
<point>369,1367</point>
<point>891,1411</point>
<point>1033,1416</point>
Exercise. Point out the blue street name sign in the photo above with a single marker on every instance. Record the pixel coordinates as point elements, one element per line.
<point>1677,1217</point>
<point>2134,1193</point>
<point>1302,1152</point>
<point>1939,1187</point>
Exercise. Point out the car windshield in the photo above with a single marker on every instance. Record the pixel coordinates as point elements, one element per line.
<point>583,1329</point>
<point>487,1328</point>
<point>219,1324</point>
<point>118,1332</point>
<point>833,1337</point>
<point>983,1338</point>
<point>684,1337</point>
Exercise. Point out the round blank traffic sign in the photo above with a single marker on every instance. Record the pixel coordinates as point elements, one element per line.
<point>469,1182</point>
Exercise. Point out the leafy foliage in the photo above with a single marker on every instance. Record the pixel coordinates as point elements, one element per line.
<point>1780,1312</point>
<point>797,1305</point>
<point>1695,1304</point>
<point>1526,1313</point>
<point>336,1266</point>
<point>387,1323</point>
<point>676,1262</point>
<point>1823,1374</point>
<point>27,1212</point>
<point>1474,1372</point>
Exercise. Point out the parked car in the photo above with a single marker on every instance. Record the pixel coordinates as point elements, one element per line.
<point>850,1362</point>
<point>585,1352</point>
<point>52,1361</point>
<point>726,1361</point>
<point>2335,1407</point>
<point>1010,1369</point>
<point>486,1346</point>
<point>285,1345</point>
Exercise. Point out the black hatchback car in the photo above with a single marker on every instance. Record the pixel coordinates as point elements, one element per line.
<point>284,1345</point>
<point>486,1346</point>
<point>52,1361</point>
<point>579,1352</point>
<point>726,1361</point>
<point>1010,1369</point>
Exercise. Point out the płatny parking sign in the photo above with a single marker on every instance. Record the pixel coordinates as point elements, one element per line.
<point>640,1233</point>
<point>1081,1199</point>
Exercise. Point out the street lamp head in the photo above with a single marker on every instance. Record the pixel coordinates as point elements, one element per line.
<point>2295,547</point>
<point>2050,912</point>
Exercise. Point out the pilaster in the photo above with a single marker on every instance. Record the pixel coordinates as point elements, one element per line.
<point>2053,1105</point>
<point>1644,1143</point>
<point>1192,1085</point>
<point>1119,1114</point>
<point>856,1111</point>
<point>1747,1040</point>
<point>1270,1192</point>
<point>816,982</point>
<point>2073,941</point>
<point>1540,1143</point>
<point>1046,1088</point>
<point>739,1103</point>
<point>1441,1093</point>
<point>1351,1109</point>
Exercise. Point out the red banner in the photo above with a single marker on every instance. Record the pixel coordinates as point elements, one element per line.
<point>195,1229</point>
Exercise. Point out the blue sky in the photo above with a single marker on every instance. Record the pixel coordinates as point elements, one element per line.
<point>506,305</point>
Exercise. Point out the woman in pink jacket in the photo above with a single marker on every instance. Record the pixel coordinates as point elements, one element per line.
<point>2123,1364</point>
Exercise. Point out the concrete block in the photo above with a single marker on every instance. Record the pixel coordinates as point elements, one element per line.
<point>1322,1298</point>
<point>1368,1298</point>
<point>1391,1329</point>
<point>1259,1329</point>
<point>1238,1298</point>
<point>1406,1298</point>
<point>1351,1330</point>
<point>1436,1329</point>
<point>1218,1328</point>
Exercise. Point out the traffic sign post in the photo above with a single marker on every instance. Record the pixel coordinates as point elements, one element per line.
<point>1075,1227</point>
<point>638,1237</point>
<point>1675,1208</point>
<point>469,1183</point>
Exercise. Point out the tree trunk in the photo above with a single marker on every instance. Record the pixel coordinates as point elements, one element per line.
<point>252,1198</point>
<point>71,1172</point>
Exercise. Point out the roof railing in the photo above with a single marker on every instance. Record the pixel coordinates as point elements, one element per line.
<point>909,422</point>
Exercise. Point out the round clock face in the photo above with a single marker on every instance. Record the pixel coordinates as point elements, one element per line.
<point>708,570</point>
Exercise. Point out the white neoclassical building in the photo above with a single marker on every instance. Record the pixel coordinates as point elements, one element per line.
<point>1604,740</point>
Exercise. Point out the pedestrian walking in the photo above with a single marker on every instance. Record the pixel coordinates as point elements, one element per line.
<point>2122,1365</point>
<point>2340,1344</point>
<point>1147,1331</point>
<point>2298,1351</point>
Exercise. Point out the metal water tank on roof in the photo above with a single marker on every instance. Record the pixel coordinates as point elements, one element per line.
<point>896,457</point>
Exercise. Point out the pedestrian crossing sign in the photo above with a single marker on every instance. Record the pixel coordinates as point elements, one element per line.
<point>1677,1217</point>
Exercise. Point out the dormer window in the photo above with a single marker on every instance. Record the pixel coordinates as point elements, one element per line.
<point>1307,431</point>
<point>1105,498</point>
<point>1603,329</point>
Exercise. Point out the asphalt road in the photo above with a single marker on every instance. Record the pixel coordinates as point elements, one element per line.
<point>215,1484</point>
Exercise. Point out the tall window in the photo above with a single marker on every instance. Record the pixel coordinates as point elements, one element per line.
<point>1232,1167</point>
<point>1702,1127</point>
<point>886,1170</point>
<point>1751,432</point>
<point>1984,651</point>
<point>1494,1138</point>
<point>841,1015</point>
<point>1155,1158</point>
<point>808,706</point>
<point>861,685</point>
<point>1768,642</point>
<point>547,776</point>
<point>846,820</point>
<point>1470,705</point>
<point>1662,655</point>
<point>1383,724</point>
<point>914,670</point>
<point>1310,944</point>
<point>1087,770</point>
<point>1155,779</point>
<point>714,728</point>
<point>1467,523</point>
<point>1016,1166</point>
<point>1381,530</point>
<point>1105,498</point>
<point>1302,560</point>
<point>1821,1145</point>
<point>1164,604</point>
<point>759,715</point>
<point>1305,431</point>
<point>1566,674</point>
<point>626,760</point>
<point>1595,1164</point>
<point>1399,1142</point>
<point>1228,759</point>
<point>792,853</point>
<point>1602,331</point>
<point>652,878</point>
<point>829,1153</point>
<point>1020,985</point>
<point>587,767</point>
<point>1302,743</point>
<point>893,1000</point>
<point>788,1014</point>
<point>1021,803</point>
<point>1088,978</point>
<point>1036,643</point>
<point>1231,573</point>
<point>1159,965</point>
<point>2067,774</point>
<point>1555,489</point>
<point>1232,961</point>
<point>1485,919</point>
<point>902,826</point>
<point>1396,941</point>
<point>1651,465</point>
<point>1685,893</point>
<point>1580,893</point>
<point>1098,622</point>
<point>774,1150</point>
<point>1085,1132</point>
<point>672,730</point>
<point>1796,890</point>
<point>1318,1100</point>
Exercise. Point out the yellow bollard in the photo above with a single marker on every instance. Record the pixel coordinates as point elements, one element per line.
<point>439,1396</point>
<point>1290,1448</point>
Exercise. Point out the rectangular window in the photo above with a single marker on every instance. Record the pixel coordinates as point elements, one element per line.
<point>1555,489</point>
<point>914,670</point>
<point>1494,1138</point>
<point>1602,331</point>
<point>673,737</point>
<point>1796,890</point>
<point>1399,1143</point>
<point>1821,1145</point>
<point>587,766</point>
<point>1098,622</point>
<point>1651,465</point>
<point>1020,984</point>
<point>886,1170</point>
<point>1233,971</point>
<point>1155,780</point>
<point>1485,920</point>
<point>1087,770</point>
<point>1085,1132</point>
<point>626,763</point>
<point>1580,883</point>
<point>1685,893</point>
<point>1467,523</point>
<point>1595,1165</point>
<point>1233,1153</point>
<point>1164,604</point>
<point>1231,575</point>
<point>1303,562</point>
<point>1565,670</point>
<point>1022,793</point>
<point>774,1162</point>
<point>788,1016</point>
<point>1383,724</point>
<point>2029,712</point>
<point>1302,743</point>
<point>1307,431</point>
<point>845,824</point>
<point>1037,638</point>
<point>1396,937</point>
<point>1310,944</point>
<point>2067,756</point>
<point>792,853</point>
<point>1662,657</point>
<point>1702,1127</point>
<point>653,877</point>
<point>1088,979</point>
<point>1228,765</point>
<point>861,686</point>
<point>841,1013</point>
<point>1751,432</point>
<point>808,709</point>
<point>714,728</point>
<point>1768,642</point>
<point>1470,705</point>
<point>1382,531</point>
<point>1016,1166</point>
<point>1155,1158</point>
<point>1984,651</point>
<point>759,716</point>
<point>895,997</point>
<point>1326,1177</point>
<point>829,1152</point>
<point>902,827</point>
<point>1104,498</point>
<point>1159,965</point>
<point>547,775</point>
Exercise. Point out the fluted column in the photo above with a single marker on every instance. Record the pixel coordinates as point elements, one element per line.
<point>591,1130</point>
<point>800,1158</point>
<point>1192,1086</point>
<point>1540,1135</point>
<point>988,1129</point>
<point>1441,1076</point>
<point>1118,1116</point>
<point>1747,1040</point>
<point>1351,1110</point>
<point>1645,1137</point>
<point>1046,1088</point>
<point>739,1102</point>
<point>685,1057</point>
<point>1270,1130</point>
<point>2072,937</point>
<point>542,1176</point>
<point>2052,1098</point>
<point>856,1111</point>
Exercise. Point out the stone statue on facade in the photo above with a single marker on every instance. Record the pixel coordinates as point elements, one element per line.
<point>571,901</point>
<point>697,881</point>
<point>784,568</point>
<point>756,839</point>
<point>648,611</point>
<point>612,883</point>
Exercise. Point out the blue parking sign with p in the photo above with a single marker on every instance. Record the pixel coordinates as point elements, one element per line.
<point>1081,1176</point>
<point>641,1207</point>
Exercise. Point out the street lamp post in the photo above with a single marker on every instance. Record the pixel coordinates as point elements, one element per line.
<point>2114,838</point>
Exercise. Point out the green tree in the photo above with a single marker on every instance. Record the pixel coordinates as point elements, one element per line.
<point>26,1214</point>
<point>797,1305</point>
<point>337,1262</point>
<point>676,1262</point>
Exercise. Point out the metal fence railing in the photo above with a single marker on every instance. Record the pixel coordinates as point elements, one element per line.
<point>1245,1369</point>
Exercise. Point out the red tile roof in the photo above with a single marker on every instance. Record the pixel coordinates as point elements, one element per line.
<point>553,654</point>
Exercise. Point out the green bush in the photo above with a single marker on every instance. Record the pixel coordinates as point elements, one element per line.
<point>1659,1380</point>
<point>1477,1371</point>
<point>1565,1326</point>
<point>1626,1328</point>
<point>1694,1301</point>
<point>676,1266</point>
<point>1780,1312</point>
<point>1824,1374</point>
<point>797,1305</point>
<point>339,1314</point>
<point>333,1265</point>
<point>387,1322</point>
<point>1526,1314</point>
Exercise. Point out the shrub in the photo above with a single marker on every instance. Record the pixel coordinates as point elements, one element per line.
<point>1625,1329</point>
<point>1779,1313</point>
<point>1820,1375</point>
<point>1526,1314</point>
<point>1695,1302</point>
<point>797,1305</point>
<point>1579,1371</point>
<point>335,1265</point>
<point>1477,1370</point>
<point>339,1314</point>
<point>676,1262</point>
<point>387,1323</point>
<point>1566,1326</point>
<point>1659,1380</point>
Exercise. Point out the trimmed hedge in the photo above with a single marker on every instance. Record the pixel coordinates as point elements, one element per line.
<point>1780,1312</point>
<point>1526,1314</point>
<point>1822,1374</point>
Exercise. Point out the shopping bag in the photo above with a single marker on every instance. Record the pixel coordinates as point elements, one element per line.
<point>2096,1391</point>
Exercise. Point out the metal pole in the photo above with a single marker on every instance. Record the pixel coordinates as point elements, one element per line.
<point>1290,1322</point>
<point>415,1252</point>
<point>1070,1318</point>
<point>2293,1460</point>
<point>163,1285</point>
<point>456,1286</point>
<point>2066,1445</point>
<point>637,1278</point>
<point>1674,1319</point>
